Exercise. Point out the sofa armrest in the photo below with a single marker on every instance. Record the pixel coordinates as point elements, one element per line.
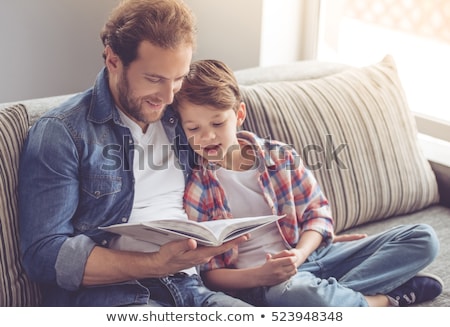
<point>37,107</point>
<point>442,173</point>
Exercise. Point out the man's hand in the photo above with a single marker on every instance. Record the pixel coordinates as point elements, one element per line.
<point>178,255</point>
<point>105,266</point>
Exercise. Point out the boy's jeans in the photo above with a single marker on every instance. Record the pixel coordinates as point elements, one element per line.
<point>342,273</point>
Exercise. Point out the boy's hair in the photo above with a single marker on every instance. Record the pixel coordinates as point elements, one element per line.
<point>211,83</point>
<point>164,23</point>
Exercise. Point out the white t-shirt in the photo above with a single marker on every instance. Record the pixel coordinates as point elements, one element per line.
<point>159,183</point>
<point>246,199</point>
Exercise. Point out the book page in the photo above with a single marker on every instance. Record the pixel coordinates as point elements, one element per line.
<point>185,227</point>
<point>212,232</point>
<point>222,228</point>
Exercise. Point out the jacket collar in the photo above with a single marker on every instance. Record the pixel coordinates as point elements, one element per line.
<point>102,107</point>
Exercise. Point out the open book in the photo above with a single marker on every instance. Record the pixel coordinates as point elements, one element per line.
<point>211,233</point>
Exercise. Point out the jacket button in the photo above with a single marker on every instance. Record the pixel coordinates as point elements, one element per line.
<point>104,242</point>
<point>124,219</point>
<point>171,120</point>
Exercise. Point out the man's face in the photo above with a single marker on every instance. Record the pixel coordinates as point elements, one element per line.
<point>145,88</point>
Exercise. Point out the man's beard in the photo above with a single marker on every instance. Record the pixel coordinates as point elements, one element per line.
<point>130,105</point>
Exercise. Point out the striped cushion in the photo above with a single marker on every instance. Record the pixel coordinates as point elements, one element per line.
<point>15,288</point>
<point>354,130</point>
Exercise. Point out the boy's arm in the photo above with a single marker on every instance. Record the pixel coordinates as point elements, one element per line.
<point>272,272</point>
<point>225,279</point>
<point>312,207</point>
<point>309,242</point>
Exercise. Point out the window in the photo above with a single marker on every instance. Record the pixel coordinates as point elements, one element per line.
<point>415,32</point>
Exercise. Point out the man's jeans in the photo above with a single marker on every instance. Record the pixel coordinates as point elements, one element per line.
<point>342,273</point>
<point>187,291</point>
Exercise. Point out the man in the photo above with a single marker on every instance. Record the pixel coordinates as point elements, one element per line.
<point>103,158</point>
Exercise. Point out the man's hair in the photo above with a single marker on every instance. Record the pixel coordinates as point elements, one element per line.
<point>164,23</point>
<point>211,83</point>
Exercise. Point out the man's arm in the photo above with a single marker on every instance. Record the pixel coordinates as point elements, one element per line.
<point>48,194</point>
<point>106,266</point>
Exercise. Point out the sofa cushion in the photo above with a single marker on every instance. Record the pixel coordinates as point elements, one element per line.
<point>354,130</point>
<point>15,287</point>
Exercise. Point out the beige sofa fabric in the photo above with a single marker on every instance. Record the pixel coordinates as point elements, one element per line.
<point>15,288</point>
<point>354,130</point>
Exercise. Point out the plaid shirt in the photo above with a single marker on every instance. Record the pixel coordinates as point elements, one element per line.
<point>287,186</point>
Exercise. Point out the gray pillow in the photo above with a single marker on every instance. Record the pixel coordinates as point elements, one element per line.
<point>354,130</point>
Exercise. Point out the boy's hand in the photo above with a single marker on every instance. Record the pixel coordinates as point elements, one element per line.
<point>278,268</point>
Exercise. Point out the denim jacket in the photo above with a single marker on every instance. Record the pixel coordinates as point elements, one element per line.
<point>76,175</point>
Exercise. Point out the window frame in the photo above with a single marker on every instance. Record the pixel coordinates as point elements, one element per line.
<point>428,125</point>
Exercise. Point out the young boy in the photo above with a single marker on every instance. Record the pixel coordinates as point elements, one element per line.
<point>293,262</point>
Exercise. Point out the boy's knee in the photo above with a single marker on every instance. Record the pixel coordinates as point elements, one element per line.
<point>431,240</point>
<point>296,292</point>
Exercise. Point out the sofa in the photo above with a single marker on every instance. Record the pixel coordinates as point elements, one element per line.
<point>351,126</point>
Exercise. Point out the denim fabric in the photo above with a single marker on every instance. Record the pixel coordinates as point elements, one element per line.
<point>184,290</point>
<point>341,273</point>
<point>76,175</point>
<point>176,290</point>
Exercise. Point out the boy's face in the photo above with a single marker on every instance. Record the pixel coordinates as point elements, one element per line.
<point>212,132</point>
<point>145,88</point>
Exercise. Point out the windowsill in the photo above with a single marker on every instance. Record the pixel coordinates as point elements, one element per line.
<point>434,149</point>
<point>434,127</point>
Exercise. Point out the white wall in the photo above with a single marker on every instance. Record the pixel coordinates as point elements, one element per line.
<point>255,32</point>
<point>289,31</point>
<point>279,42</point>
<point>229,31</point>
<point>49,47</point>
<point>52,47</point>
